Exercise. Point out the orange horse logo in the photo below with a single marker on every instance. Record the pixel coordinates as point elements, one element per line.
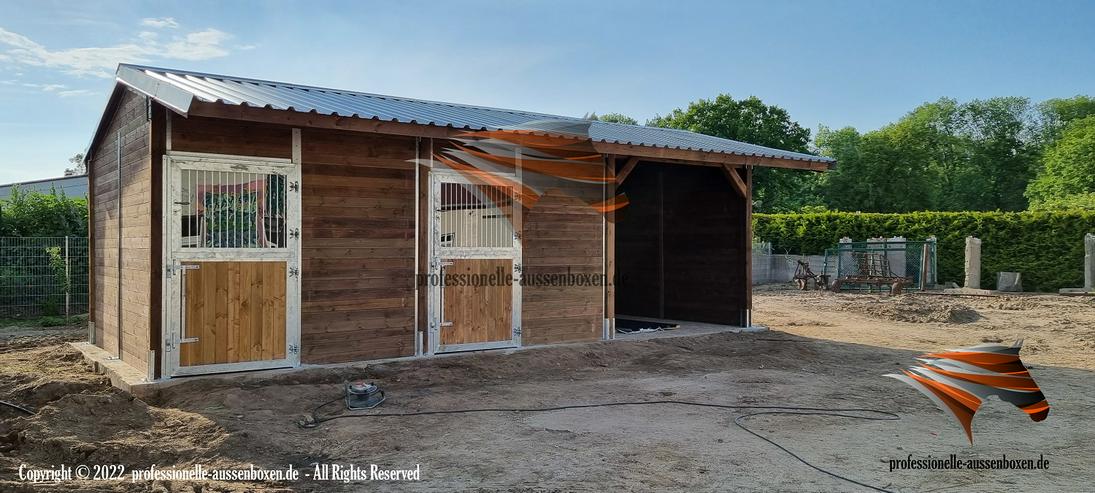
<point>960,379</point>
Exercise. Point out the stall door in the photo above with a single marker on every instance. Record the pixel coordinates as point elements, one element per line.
<point>232,271</point>
<point>477,262</point>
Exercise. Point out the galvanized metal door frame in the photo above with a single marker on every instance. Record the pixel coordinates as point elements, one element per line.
<point>176,257</point>
<point>439,254</point>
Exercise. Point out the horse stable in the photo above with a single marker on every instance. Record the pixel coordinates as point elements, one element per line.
<point>241,224</point>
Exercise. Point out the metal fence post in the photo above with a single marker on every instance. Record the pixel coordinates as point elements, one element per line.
<point>68,280</point>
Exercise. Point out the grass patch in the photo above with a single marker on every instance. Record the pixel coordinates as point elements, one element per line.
<point>45,321</point>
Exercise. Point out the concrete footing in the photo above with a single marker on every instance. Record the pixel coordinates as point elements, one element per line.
<point>121,375</point>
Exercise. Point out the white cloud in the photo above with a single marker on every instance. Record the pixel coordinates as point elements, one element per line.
<point>74,92</point>
<point>160,23</point>
<point>201,45</point>
<point>45,87</point>
<point>101,61</point>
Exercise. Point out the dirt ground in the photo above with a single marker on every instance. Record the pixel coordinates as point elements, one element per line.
<point>823,350</point>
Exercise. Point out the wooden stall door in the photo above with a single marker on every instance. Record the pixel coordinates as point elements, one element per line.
<point>234,312</point>
<point>478,306</point>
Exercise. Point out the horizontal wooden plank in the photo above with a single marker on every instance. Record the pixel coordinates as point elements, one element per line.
<point>336,306</point>
<point>313,171</point>
<point>392,201</point>
<point>356,253</point>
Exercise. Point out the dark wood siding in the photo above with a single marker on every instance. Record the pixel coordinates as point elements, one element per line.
<point>197,134</point>
<point>130,122</point>
<point>682,246</point>
<point>358,237</point>
<point>562,236</point>
<point>357,218</point>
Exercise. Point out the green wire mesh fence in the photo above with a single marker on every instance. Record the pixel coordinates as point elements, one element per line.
<point>857,262</point>
<point>43,276</point>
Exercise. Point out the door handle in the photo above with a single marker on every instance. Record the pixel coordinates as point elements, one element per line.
<point>443,264</point>
<point>182,308</point>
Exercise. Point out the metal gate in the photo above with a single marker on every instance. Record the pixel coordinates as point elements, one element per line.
<point>475,301</point>
<point>232,264</point>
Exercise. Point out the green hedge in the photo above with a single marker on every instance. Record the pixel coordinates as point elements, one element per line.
<point>1047,247</point>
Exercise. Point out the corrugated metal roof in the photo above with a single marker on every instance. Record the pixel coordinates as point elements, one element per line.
<point>178,88</point>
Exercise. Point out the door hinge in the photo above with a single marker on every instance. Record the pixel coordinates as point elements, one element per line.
<point>294,272</point>
<point>517,267</point>
<point>294,186</point>
<point>294,349</point>
<point>516,236</point>
<point>517,331</point>
<point>294,233</point>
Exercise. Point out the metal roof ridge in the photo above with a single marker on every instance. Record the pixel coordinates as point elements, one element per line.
<point>339,91</point>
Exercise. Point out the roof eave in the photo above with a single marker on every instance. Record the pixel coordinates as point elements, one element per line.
<point>127,76</point>
<point>173,97</point>
<point>358,124</point>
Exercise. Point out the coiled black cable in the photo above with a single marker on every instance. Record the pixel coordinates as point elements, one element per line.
<point>313,420</point>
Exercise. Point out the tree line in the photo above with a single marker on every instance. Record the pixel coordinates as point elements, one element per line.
<point>1004,153</point>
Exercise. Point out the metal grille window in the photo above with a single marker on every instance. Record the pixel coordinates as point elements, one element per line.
<point>232,209</point>
<point>476,216</point>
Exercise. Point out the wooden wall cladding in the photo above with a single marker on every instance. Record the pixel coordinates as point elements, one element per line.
<point>198,134</point>
<point>357,218</point>
<point>562,235</point>
<point>358,205</point>
<point>135,189</point>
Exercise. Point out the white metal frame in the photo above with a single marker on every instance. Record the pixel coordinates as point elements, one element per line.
<point>439,254</point>
<point>176,257</point>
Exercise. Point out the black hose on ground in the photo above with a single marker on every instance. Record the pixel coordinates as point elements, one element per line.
<point>313,420</point>
<point>17,407</point>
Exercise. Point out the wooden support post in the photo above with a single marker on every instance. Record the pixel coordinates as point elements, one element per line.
<point>159,126</point>
<point>748,196</point>
<point>609,248</point>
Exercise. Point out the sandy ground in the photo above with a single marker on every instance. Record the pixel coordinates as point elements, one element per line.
<point>824,350</point>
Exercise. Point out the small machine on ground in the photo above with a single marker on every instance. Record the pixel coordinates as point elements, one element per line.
<point>803,276</point>
<point>361,395</point>
<point>873,270</point>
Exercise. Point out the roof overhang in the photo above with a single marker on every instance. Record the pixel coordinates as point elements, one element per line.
<point>356,124</point>
<point>183,93</point>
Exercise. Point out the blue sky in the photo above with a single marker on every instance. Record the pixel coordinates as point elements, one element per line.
<point>837,63</point>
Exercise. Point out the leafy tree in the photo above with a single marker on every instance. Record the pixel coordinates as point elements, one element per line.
<point>750,120</point>
<point>78,165</point>
<point>940,156</point>
<point>1057,113</point>
<point>42,214</point>
<point>1074,202</point>
<point>874,172</point>
<point>1068,167</point>
<point>613,118</point>
<point>1000,154</point>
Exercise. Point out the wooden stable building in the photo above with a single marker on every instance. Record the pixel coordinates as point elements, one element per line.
<point>240,224</point>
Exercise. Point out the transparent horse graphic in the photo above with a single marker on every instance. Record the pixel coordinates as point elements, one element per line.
<point>548,154</point>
